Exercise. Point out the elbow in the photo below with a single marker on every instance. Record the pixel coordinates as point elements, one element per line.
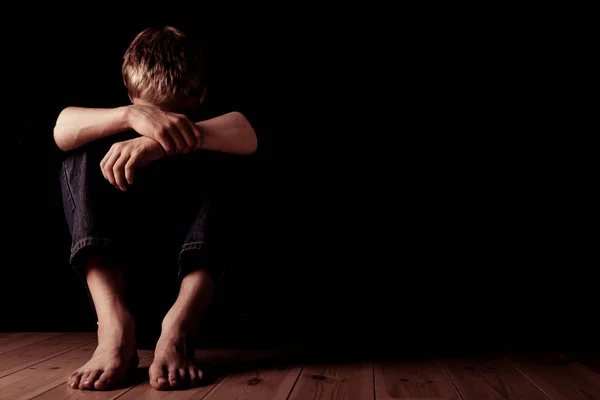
<point>61,134</point>
<point>251,144</point>
<point>59,138</point>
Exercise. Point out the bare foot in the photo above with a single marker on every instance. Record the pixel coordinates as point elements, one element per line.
<point>113,359</point>
<point>174,366</point>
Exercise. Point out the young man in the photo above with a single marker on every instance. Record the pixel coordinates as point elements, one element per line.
<point>133,181</point>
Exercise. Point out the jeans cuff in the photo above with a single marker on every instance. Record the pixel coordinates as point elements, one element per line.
<point>195,255</point>
<point>89,241</point>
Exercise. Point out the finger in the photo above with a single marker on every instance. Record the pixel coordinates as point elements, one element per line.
<point>104,161</point>
<point>198,136</point>
<point>119,171</point>
<point>166,141</point>
<point>188,134</point>
<point>108,167</point>
<point>177,136</point>
<point>129,170</point>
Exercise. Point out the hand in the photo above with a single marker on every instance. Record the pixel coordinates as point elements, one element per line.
<point>176,133</point>
<point>123,158</point>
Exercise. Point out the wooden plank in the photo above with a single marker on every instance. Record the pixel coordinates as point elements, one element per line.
<point>144,391</point>
<point>260,384</point>
<point>42,377</point>
<point>353,381</point>
<point>220,356</point>
<point>26,356</point>
<point>63,391</point>
<point>487,379</point>
<point>559,376</point>
<point>592,361</point>
<point>12,341</point>
<point>418,379</point>
<point>219,359</point>
<point>141,389</point>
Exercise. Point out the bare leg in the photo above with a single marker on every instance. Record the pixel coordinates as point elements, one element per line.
<point>174,366</point>
<point>116,352</point>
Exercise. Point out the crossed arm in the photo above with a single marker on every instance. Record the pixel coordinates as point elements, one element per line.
<point>162,134</point>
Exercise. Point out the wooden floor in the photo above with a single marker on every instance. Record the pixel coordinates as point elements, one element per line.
<point>35,365</point>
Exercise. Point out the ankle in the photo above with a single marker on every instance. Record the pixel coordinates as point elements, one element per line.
<point>118,319</point>
<point>177,327</point>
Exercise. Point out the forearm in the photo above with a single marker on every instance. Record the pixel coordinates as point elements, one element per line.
<point>228,133</point>
<point>77,126</point>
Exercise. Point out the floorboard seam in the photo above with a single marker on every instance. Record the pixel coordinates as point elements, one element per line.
<point>462,396</point>
<point>46,359</point>
<point>526,377</point>
<point>37,341</point>
<point>296,381</point>
<point>63,382</point>
<point>374,389</point>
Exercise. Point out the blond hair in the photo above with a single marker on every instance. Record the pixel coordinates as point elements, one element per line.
<point>164,67</point>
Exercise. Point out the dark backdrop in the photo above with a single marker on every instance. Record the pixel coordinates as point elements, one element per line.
<point>412,186</point>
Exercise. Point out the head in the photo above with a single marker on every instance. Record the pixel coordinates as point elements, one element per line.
<point>164,68</point>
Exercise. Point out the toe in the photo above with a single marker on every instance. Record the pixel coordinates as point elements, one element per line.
<point>106,380</point>
<point>184,377</point>
<point>90,378</point>
<point>83,379</point>
<point>158,377</point>
<point>103,384</point>
<point>199,374</point>
<point>194,379</point>
<point>174,378</point>
<point>162,384</point>
<point>74,380</point>
<point>93,378</point>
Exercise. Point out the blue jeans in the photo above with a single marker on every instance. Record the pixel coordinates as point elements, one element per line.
<point>163,215</point>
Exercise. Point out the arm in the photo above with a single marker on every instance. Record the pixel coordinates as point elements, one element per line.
<point>230,133</point>
<point>77,126</point>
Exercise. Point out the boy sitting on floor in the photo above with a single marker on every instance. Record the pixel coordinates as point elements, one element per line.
<point>131,183</point>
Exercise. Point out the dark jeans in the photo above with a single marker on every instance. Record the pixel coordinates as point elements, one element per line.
<point>160,219</point>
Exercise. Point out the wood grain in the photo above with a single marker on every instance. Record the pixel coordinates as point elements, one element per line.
<point>261,384</point>
<point>220,356</point>
<point>490,379</point>
<point>12,341</point>
<point>420,379</point>
<point>144,391</point>
<point>560,377</point>
<point>42,377</point>
<point>335,382</point>
<point>23,357</point>
<point>63,391</point>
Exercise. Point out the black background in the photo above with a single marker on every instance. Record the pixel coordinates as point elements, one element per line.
<point>414,184</point>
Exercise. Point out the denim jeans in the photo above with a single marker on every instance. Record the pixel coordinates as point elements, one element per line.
<point>163,215</point>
